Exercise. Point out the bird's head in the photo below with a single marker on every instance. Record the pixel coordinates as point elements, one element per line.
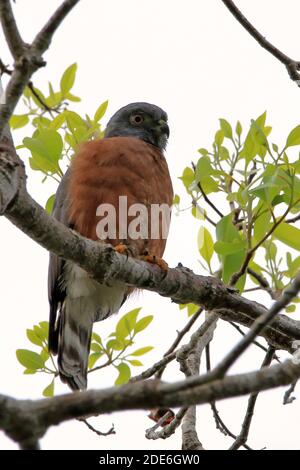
<point>141,120</point>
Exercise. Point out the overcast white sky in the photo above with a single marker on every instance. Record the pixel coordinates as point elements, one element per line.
<point>194,60</point>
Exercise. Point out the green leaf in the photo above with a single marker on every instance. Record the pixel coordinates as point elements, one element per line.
<point>293,137</point>
<point>226,128</point>
<point>203,168</point>
<point>238,128</point>
<point>29,359</point>
<point>72,97</point>
<point>205,244</point>
<point>192,308</point>
<point>229,248</point>
<point>58,121</point>
<point>124,374</point>
<point>219,137</point>
<point>141,351</point>
<point>18,120</point>
<point>49,390</point>
<point>40,332</point>
<point>96,348</point>
<point>126,324</point>
<point>29,372</point>
<point>68,79</point>
<point>262,225</point>
<point>289,235</point>
<point>93,359</point>
<point>143,323</point>
<point>203,151</point>
<point>45,354</point>
<point>46,147</point>
<point>293,266</point>
<point>231,263</point>
<point>116,345</point>
<point>176,200</point>
<point>96,337</point>
<point>290,308</point>
<point>101,111</point>
<point>187,178</point>
<point>50,204</point>
<point>33,338</point>
<point>44,326</point>
<point>135,362</point>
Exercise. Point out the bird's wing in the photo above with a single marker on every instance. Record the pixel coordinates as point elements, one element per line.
<point>56,291</point>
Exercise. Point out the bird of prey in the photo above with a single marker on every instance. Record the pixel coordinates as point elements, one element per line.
<point>129,162</point>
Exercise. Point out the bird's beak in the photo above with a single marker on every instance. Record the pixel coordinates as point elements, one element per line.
<point>163,127</point>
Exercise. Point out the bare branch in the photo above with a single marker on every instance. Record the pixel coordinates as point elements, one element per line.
<point>104,263</point>
<point>29,56</point>
<point>288,398</point>
<point>243,436</point>
<point>24,420</point>
<point>292,66</point>
<point>179,337</point>
<point>189,357</point>
<point>259,325</point>
<point>43,39</point>
<point>13,38</point>
<point>96,431</point>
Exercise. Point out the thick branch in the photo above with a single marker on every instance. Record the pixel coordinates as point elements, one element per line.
<point>10,29</point>
<point>29,57</point>
<point>44,37</point>
<point>23,420</point>
<point>104,263</point>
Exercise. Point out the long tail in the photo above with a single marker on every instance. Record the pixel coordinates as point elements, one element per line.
<point>73,348</point>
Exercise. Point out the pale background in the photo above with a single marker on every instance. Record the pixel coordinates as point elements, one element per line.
<point>194,60</point>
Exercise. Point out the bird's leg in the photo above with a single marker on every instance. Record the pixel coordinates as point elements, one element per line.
<point>121,248</point>
<point>146,256</point>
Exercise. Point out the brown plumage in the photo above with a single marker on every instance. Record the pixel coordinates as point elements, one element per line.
<point>129,162</point>
<point>105,169</point>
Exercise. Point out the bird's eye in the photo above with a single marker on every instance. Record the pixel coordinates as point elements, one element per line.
<point>136,119</point>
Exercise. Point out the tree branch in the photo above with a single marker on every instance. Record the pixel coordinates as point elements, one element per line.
<point>13,38</point>
<point>243,436</point>
<point>29,57</point>
<point>103,263</point>
<point>23,420</point>
<point>292,66</point>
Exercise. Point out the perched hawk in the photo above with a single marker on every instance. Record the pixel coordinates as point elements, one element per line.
<point>129,162</point>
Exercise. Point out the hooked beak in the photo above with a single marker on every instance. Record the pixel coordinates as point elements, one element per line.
<point>163,128</point>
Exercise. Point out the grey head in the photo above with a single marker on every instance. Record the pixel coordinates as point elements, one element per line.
<point>144,121</point>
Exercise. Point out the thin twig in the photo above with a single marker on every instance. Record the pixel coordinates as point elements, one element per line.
<point>153,369</point>
<point>293,219</point>
<point>243,436</point>
<point>40,100</point>
<point>179,337</point>
<point>256,343</point>
<point>262,281</point>
<point>220,425</point>
<point>287,399</point>
<point>208,201</point>
<point>96,431</point>
<point>259,325</point>
<point>292,66</point>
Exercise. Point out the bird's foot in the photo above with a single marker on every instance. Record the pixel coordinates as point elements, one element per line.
<point>155,260</point>
<point>122,249</point>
